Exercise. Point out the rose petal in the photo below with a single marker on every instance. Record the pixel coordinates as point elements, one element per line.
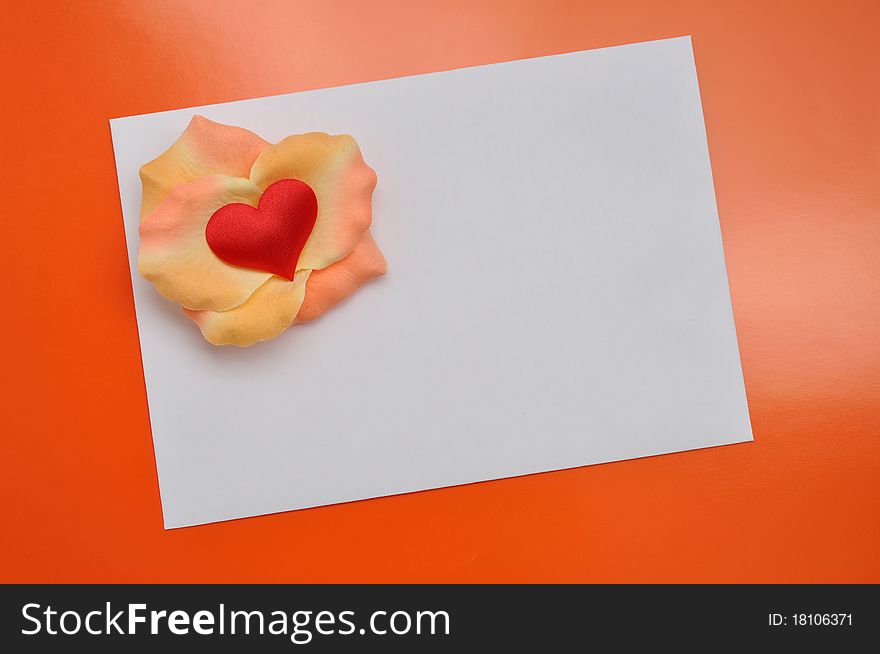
<point>267,313</point>
<point>331,285</point>
<point>175,256</point>
<point>334,168</point>
<point>204,148</point>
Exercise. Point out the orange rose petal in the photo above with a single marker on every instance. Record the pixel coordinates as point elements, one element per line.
<point>175,256</point>
<point>204,148</point>
<point>331,285</point>
<point>267,313</point>
<point>343,183</point>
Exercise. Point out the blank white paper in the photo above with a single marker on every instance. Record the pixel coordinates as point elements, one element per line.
<point>556,293</point>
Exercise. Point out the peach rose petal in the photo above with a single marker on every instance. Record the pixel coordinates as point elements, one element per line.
<point>267,313</point>
<point>343,183</point>
<point>204,148</point>
<point>329,286</point>
<point>175,256</point>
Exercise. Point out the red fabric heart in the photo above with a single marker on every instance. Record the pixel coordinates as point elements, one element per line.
<point>269,237</point>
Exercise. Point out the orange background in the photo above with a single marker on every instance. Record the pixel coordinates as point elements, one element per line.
<point>791,95</point>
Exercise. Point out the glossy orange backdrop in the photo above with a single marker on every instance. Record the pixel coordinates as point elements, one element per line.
<point>791,93</point>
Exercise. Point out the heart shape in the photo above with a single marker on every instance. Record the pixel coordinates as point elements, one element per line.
<point>269,237</point>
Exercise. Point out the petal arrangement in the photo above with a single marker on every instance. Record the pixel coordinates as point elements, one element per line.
<point>249,237</point>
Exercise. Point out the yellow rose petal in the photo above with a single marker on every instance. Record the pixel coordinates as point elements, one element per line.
<point>175,256</point>
<point>343,183</point>
<point>204,148</point>
<point>267,313</point>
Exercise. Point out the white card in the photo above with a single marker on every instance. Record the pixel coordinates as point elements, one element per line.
<point>556,293</point>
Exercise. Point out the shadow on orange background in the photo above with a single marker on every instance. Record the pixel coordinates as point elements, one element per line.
<point>791,97</point>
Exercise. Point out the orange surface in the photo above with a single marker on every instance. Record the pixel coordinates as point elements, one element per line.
<point>791,95</point>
